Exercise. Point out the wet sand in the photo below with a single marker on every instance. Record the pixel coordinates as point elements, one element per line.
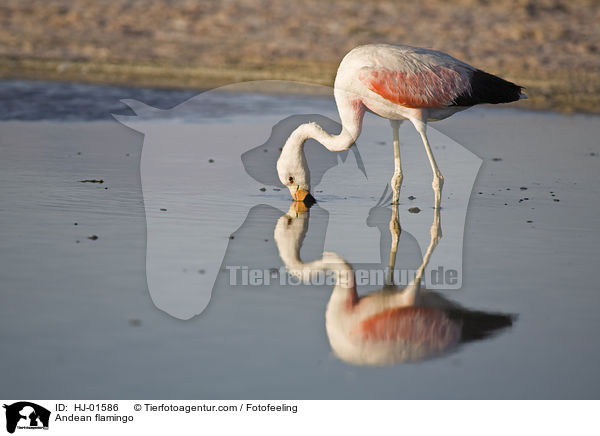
<point>80,308</point>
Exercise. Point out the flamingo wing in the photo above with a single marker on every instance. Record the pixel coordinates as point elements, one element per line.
<point>421,78</point>
<point>427,87</point>
<point>416,325</point>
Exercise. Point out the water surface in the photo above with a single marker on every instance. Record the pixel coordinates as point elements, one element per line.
<point>77,320</point>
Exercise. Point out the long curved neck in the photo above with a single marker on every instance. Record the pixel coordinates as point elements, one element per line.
<point>289,234</point>
<point>351,113</point>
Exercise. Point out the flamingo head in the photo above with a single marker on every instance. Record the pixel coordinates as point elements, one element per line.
<point>293,172</point>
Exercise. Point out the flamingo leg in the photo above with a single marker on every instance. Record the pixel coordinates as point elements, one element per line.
<point>396,181</point>
<point>395,184</point>
<point>410,294</point>
<point>438,179</point>
<point>395,232</point>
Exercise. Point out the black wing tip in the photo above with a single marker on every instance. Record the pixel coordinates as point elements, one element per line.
<point>487,88</point>
<point>477,325</point>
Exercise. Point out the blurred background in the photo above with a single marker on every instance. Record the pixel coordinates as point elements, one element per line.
<point>552,47</point>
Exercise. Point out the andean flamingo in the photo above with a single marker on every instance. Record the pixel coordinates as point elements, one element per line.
<point>399,83</point>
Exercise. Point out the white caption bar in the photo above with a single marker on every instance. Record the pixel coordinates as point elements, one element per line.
<point>462,418</point>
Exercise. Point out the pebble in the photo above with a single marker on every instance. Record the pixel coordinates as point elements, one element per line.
<point>135,322</point>
<point>414,210</point>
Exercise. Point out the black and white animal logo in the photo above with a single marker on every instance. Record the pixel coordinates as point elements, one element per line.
<point>26,415</point>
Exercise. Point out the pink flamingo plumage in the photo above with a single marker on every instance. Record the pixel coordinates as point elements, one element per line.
<point>398,83</point>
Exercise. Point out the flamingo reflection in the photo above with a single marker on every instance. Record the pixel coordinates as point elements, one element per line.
<point>390,325</point>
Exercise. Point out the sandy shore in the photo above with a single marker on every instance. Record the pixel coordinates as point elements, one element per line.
<point>549,46</point>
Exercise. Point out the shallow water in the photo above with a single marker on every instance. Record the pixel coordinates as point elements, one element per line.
<point>77,319</point>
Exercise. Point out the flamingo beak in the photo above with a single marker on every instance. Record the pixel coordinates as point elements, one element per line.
<point>302,195</point>
<point>300,207</point>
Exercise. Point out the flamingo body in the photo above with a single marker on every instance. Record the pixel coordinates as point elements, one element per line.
<point>402,82</point>
<point>365,335</point>
<point>383,328</point>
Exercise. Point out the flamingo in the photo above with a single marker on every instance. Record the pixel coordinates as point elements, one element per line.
<point>398,83</point>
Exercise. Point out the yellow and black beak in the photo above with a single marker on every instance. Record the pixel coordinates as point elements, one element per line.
<point>302,195</point>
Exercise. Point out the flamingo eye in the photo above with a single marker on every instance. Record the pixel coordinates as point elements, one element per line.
<point>291,179</point>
